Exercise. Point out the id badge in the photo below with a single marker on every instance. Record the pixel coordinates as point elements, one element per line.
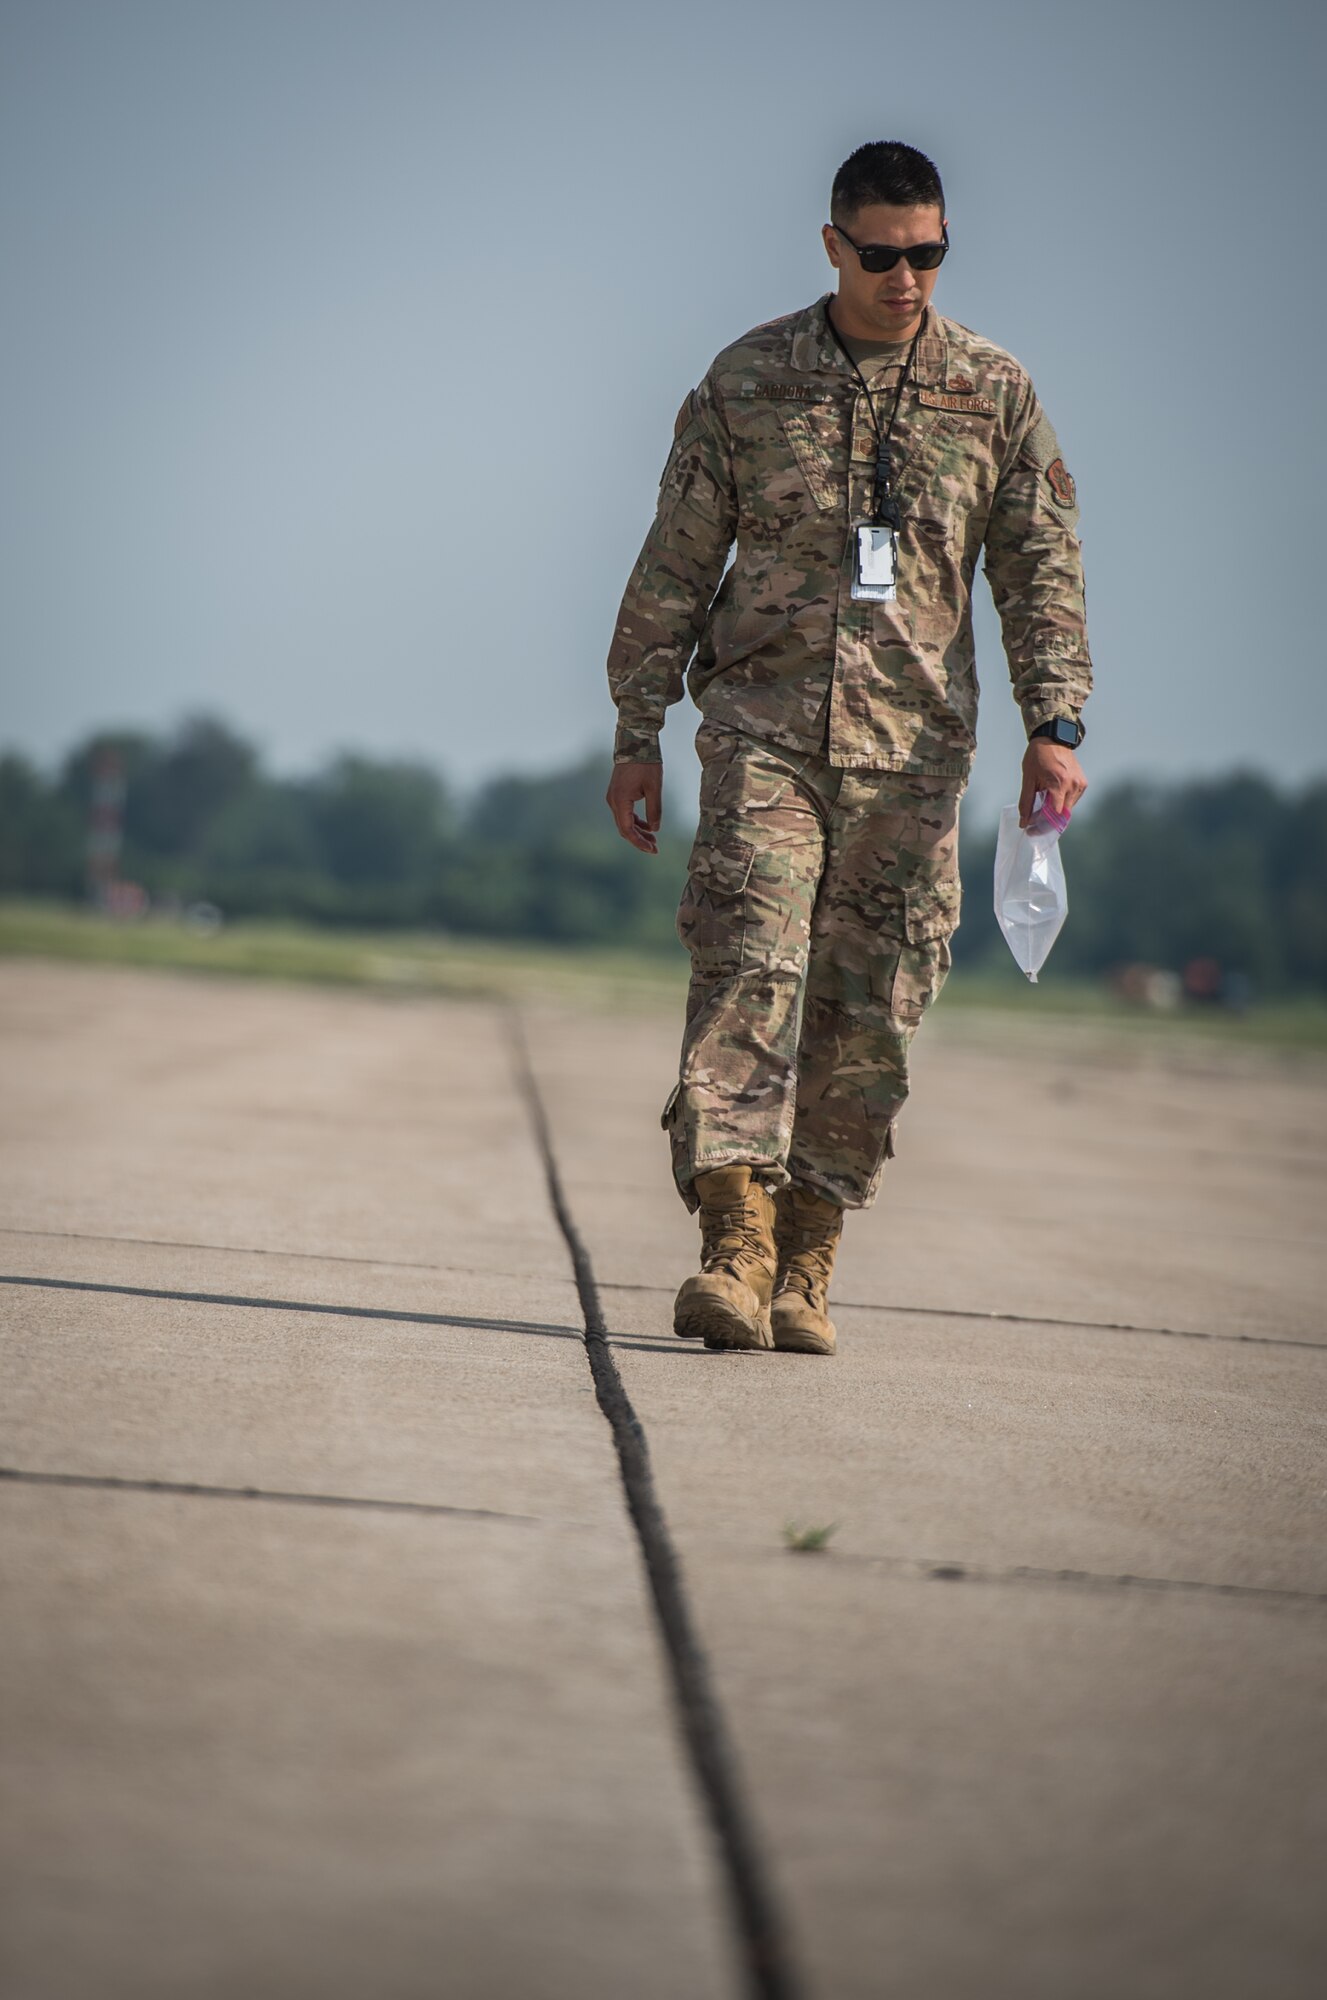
<point>875,565</point>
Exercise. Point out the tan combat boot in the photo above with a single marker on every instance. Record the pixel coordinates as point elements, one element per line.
<point>727,1304</point>
<point>807,1227</point>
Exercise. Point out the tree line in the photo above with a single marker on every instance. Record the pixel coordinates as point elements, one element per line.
<point>1230,869</point>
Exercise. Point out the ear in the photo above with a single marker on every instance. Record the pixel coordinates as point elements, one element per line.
<point>831,243</point>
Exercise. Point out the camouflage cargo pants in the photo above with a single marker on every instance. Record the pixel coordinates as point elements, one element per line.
<point>818,910</point>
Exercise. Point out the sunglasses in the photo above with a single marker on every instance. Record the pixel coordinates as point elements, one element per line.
<point>884,256</point>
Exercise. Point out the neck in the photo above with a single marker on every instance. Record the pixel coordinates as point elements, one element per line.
<point>845,320</point>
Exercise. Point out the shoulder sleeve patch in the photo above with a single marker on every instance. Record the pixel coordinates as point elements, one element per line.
<point>1041,449</point>
<point>1061,485</point>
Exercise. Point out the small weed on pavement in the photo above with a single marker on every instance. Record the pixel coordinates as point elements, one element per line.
<point>807,1541</point>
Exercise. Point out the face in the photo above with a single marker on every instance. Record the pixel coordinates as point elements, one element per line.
<point>882,305</point>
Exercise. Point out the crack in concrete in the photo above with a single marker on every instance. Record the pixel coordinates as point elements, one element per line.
<point>757,1917</point>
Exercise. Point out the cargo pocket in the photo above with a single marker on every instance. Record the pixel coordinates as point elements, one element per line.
<point>711,917</point>
<point>932,911</point>
<point>930,918</point>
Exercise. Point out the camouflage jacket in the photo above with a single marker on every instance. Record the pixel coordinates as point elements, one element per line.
<point>775,450</point>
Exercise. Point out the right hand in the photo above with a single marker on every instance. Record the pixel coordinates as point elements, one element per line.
<point>629,783</point>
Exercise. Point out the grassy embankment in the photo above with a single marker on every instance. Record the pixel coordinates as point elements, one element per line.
<point>403,961</point>
<point>596,976</point>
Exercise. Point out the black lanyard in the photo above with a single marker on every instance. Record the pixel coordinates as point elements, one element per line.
<point>884,507</point>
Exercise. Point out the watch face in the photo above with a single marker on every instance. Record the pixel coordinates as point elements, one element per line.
<point>1065,732</point>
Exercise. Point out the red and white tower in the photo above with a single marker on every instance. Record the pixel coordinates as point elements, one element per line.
<point>105,825</point>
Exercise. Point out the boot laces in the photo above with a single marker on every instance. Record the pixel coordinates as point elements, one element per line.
<point>806,1253</point>
<point>808,1268</point>
<point>731,1235</point>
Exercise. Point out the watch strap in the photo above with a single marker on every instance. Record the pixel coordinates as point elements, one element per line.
<point>1065,729</point>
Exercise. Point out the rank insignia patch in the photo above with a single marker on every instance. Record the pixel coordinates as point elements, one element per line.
<point>1061,485</point>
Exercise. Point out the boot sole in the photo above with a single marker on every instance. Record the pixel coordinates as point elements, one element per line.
<point>794,1339</point>
<point>803,1343</point>
<point>720,1327</point>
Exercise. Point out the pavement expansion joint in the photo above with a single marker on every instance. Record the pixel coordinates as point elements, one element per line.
<point>334,1311</point>
<point>1031,1319</point>
<point>926,1569</point>
<point>226,1249</point>
<point>756,1913</point>
<point>109,1483</point>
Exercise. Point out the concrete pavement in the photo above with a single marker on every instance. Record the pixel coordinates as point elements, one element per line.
<point>1041,1724</point>
<point>1045,1720</point>
<point>263,1748</point>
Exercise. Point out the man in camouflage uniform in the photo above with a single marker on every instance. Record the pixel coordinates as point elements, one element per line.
<point>838,729</point>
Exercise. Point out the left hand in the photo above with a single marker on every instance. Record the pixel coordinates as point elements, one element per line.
<point>1051,768</point>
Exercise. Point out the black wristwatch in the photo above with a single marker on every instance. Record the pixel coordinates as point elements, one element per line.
<point>1060,730</point>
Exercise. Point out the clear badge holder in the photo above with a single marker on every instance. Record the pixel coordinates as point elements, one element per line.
<point>875,565</point>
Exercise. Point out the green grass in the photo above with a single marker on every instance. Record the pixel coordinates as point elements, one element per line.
<point>1287,1022</point>
<point>807,1541</point>
<point>604,976</point>
<point>396,961</point>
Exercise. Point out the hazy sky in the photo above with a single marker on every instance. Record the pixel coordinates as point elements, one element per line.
<point>312,306</point>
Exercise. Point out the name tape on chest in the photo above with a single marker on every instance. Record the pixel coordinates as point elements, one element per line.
<point>786,392</point>
<point>962,403</point>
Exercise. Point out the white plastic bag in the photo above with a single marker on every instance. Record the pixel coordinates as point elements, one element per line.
<point>1031,900</point>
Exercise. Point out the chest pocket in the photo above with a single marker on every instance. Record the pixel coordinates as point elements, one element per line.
<point>817,437</point>
<point>770,487</point>
<point>944,460</point>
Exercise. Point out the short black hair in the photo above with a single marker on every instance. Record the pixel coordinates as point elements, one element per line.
<point>885,170</point>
